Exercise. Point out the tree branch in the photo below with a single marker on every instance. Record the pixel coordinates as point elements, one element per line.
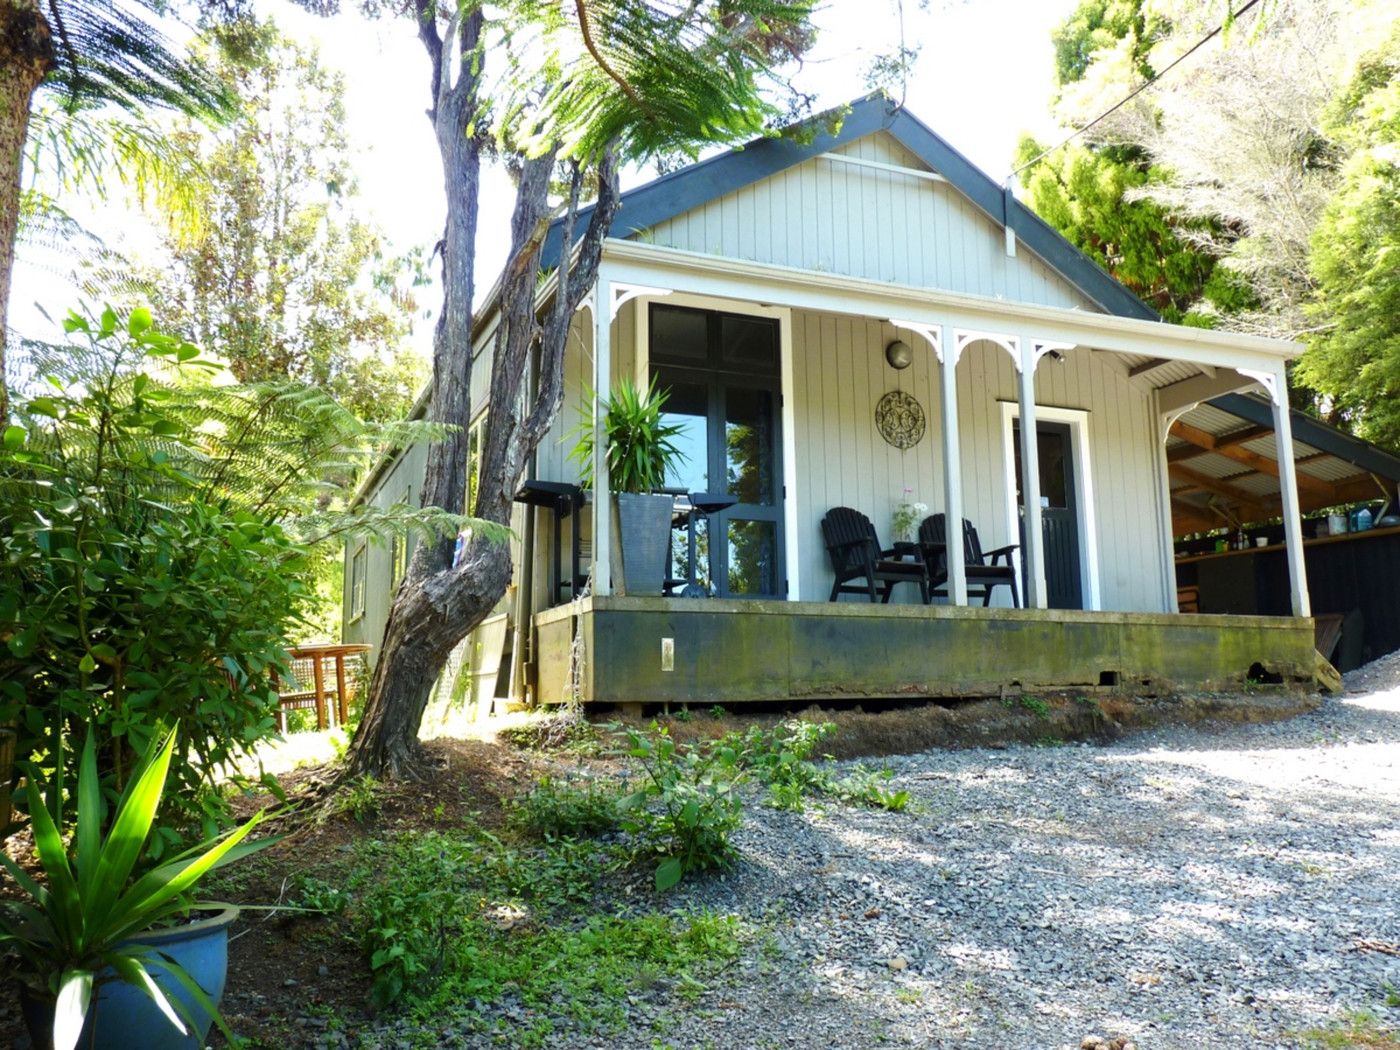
<point>426,10</point>
<point>591,44</point>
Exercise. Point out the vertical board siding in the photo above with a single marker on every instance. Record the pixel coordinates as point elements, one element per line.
<point>403,482</point>
<point>842,460</point>
<point>879,225</point>
<point>840,373</point>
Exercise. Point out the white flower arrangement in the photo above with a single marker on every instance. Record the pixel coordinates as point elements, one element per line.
<point>907,515</point>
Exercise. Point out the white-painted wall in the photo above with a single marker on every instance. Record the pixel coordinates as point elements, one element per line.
<point>839,218</point>
<point>841,373</point>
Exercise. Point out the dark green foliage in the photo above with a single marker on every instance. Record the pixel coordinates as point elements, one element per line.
<point>130,597</point>
<point>1094,194</point>
<point>154,552</point>
<point>1087,195</point>
<point>1355,357</point>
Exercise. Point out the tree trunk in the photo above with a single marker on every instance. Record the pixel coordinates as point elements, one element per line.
<point>435,596</point>
<point>26,56</point>
<point>439,604</point>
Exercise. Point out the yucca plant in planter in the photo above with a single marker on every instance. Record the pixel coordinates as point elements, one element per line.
<point>100,961</point>
<point>640,452</point>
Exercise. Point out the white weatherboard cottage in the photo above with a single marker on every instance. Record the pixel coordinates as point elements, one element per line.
<point>763,287</point>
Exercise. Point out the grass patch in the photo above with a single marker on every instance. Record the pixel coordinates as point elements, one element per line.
<point>579,807</point>
<point>1360,1030</point>
<point>470,921</point>
<point>581,975</point>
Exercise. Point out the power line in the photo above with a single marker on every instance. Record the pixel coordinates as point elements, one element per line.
<point>1137,91</point>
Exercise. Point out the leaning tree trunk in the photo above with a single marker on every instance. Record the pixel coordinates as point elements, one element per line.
<point>434,595</point>
<point>26,56</point>
<point>439,603</point>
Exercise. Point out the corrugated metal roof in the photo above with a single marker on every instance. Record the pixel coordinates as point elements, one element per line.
<point>1328,457</point>
<point>1167,374</point>
<point>1330,469</point>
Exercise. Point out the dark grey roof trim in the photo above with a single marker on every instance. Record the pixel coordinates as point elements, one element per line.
<point>1047,242</point>
<point>1319,435</point>
<point>698,184</point>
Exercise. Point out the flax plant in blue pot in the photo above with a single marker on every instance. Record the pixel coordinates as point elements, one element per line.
<point>104,960</point>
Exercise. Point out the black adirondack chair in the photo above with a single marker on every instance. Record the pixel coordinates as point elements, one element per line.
<point>982,566</point>
<point>856,555</point>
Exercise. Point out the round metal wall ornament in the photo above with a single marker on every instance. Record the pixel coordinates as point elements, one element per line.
<point>900,419</point>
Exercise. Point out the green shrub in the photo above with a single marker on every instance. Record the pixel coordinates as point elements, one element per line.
<point>158,533</point>
<point>578,808</point>
<point>782,758</point>
<point>686,807</point>
<point>866,787</point>
<point>131,594</point>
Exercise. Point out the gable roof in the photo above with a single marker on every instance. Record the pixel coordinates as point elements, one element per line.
<point>707,180</point>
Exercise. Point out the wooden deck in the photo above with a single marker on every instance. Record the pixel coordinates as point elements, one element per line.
<point>667,650</point>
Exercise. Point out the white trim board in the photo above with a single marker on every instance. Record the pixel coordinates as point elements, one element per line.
<point>1078,420</point>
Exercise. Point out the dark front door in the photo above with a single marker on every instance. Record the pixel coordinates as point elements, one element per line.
<point>1059,512</point>
<point>722,371</point>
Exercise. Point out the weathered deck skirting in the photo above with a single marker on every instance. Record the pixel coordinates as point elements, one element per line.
<point>730,652</point>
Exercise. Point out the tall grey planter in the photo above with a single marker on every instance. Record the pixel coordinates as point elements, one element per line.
<point>642,525</point>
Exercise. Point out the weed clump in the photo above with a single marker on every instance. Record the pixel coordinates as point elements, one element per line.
<point>556,808</point>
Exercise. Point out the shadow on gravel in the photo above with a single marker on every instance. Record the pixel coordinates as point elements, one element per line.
<point>1221,889</point>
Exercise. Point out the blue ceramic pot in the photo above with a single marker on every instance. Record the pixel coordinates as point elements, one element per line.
<point>122,1016</point>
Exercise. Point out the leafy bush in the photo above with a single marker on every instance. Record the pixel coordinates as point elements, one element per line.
<point>132,596</point>
<point>568,808</point>
<point>686,807</point>
<point>157,533</point>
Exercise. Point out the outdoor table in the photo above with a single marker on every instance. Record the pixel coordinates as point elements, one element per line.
<point>318,654</point>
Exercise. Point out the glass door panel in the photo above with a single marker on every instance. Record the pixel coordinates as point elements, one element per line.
<point>724,396</point>
<point>753,558</point>
<point>687,407</point>
<point>749,448</point>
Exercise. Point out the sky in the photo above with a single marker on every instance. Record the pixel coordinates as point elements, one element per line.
<point>982,78</point>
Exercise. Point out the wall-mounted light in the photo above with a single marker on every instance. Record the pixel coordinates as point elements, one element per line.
<point>899,355</point>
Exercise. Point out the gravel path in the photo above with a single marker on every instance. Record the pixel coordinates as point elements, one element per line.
<point>1198,888</point>
<point>1187,888</point>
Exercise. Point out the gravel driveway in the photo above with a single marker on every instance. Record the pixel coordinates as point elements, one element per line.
<point>1186,888</point>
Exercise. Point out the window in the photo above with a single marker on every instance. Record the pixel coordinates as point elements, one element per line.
<point>359,563</point>
<point>400,550</point>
